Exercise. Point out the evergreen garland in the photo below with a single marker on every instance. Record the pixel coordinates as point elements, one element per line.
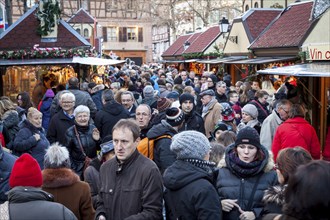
<point>50,15</point>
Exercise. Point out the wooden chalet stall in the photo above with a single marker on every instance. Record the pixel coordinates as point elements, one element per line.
<point>26,55</point>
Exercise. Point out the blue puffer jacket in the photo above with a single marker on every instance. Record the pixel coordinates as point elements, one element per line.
<point>231,185</point>
<point>25,142</point>
<point>7,161</point>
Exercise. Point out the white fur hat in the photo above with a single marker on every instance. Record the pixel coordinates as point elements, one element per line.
<point>57,156</point>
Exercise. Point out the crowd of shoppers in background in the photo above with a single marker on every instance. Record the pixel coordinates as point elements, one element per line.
<point>147,142</point>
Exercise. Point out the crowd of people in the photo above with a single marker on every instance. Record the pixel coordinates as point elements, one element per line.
<point>155,143</point>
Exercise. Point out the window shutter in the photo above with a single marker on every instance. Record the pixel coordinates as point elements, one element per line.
<point>140,34</point>
<point>105,34</point>
<point>122,34</point>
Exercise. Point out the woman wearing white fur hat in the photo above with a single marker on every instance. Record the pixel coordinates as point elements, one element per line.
<point>64,184</point>
<point>189,181</point>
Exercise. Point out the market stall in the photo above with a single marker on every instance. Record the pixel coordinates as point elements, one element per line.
<point>317,76</point>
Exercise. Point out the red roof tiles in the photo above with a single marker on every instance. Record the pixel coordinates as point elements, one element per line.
<point>289,29</point>
<point>258,21</point>
<point>171,51</point>
<point>203,40</point>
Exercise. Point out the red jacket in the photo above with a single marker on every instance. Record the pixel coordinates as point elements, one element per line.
<point>296,132</point>
<point>326,149</point>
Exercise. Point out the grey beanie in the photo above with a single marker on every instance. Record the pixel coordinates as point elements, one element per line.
<point>190,145</point>
<point>148,91</point>
<point>57,156</point>
<point>250,110</point>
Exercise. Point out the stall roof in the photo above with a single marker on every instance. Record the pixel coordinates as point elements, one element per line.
<point>179,61</point>
<point>35,62</point>
<point>222,60</point>
<point>96,61</point>
<point>260,60</point>
<point>321,69</point>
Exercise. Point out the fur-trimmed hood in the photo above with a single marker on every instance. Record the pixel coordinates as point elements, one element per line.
<point>275,194</point>
<point>54,178</point>
<point>10,118</point>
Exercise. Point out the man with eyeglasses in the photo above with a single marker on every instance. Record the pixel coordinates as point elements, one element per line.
<point>63,119</point>
<point>273,121</point>
<point>220,92</point>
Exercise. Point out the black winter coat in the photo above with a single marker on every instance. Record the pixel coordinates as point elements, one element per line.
<point>262,110</point>
<point>107,117</point>
<point>163,156</point>
<point>232,186</point>
<point>89,145</point>
<point>58,125</point>
<point>190,193</point>
<point>135,192</point>
<point>33,203</point>
<point>194,122</point>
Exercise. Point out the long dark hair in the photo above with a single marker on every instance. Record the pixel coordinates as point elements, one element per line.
<point>26,100</point>
<point>307,196</point>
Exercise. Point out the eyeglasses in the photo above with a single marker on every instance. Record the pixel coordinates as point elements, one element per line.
<point>210,81</point>
<point>67,102</point>
<point>284,110</point>
<point>235,96</point>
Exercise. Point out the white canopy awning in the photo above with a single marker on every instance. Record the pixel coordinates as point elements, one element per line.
<point>317,69</point>
<point>96,61</point>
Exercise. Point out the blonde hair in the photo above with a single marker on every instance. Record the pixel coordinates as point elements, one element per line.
<point>31,111</point>
<point>5,105</point>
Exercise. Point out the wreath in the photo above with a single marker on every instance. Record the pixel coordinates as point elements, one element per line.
<point>50,14</point>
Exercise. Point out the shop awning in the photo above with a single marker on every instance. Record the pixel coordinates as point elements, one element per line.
<point>321,69</point>
<point>96,61</point>
<point>35,62</point>
<point>179,61</point>
<point>260,60</point>
<point>222,60</point>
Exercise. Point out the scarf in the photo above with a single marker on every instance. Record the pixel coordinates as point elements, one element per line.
<point>203,164</point>
<point>242,169</point>
<point>251,124</point>
<point>206,107</point>
<point>82,129</point>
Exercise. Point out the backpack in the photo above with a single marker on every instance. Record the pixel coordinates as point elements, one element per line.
<point>146,145</point>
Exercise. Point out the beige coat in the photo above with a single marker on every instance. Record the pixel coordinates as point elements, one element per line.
<point>212,117</point>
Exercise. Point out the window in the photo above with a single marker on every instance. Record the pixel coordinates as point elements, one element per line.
<point>246,7</point>
<point>86,33</point>
<point>112,34</point>
<point>130,4</point>
<point>256,5</point>
<point>131,34</point>
<point>78,30</point>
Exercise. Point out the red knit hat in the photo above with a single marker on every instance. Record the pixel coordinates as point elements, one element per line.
<point>26,172</point>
